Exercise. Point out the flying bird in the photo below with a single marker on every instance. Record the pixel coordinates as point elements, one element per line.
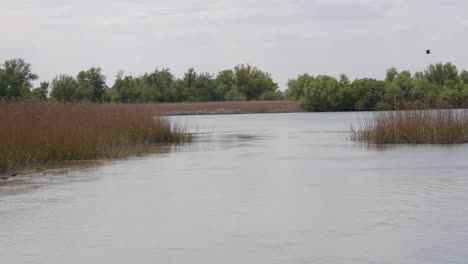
<point>428,51</point>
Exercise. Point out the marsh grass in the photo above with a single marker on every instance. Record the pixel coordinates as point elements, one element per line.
<point>36,134</point>
<point>439,126</point>
<point>231,107</point>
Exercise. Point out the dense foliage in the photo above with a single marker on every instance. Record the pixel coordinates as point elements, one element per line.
<point>16,78</point>
<point>243,83</point>
<point>438,85</point>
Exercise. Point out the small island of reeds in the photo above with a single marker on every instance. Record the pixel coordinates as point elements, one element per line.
<point>33,135</point>
<point>437,126</point>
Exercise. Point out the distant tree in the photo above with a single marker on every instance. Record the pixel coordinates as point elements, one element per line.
<point>224,82</point>
<point>65,89</point>
<point>423,91</point>
<point>252,82</point>
<point>438,85</point>
<point>162,86</point>
<point>450,97</point>
<point>344,80</point>
<point>296,87</point>
<point>189,83</point>
<point>391,74</point>
<point>205,88</point>
<point>271,96</point>
<point>366,93</point>
<point>91,85</point>
<point>442,74</point>
<point>156,86</point>
<point>177,91</point>
<point>322,94</point>
<point>235,95</point>
<point>126,89</point>
<point>464,77</point>
<point>40,93</point>
<point>464,102</point>
<point>418,75</point>
<point>16,78</point>
<point>398,91</point>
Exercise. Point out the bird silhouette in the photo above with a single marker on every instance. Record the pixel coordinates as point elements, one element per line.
<point>428,51</point>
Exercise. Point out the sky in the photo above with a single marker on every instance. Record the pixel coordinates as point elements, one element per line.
<point>361,38</point>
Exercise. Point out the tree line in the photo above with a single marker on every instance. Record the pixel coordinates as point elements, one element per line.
<point>242,83</point>
<point>439,84</point>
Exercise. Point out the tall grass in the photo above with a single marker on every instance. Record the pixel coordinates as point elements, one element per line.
<point>33,134</point>
<point>231,107</point>
<point>439,126</point>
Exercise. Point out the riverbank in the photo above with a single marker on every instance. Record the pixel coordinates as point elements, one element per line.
<point>238,107</point>
<point>35,135</point>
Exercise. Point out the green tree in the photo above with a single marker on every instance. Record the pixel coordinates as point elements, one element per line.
<point>177,91</point>
<point>464,77</point>
<point>235,95</point>
<point>296,87</point>
<point>391,74</point>
<point>366,93</point>
<point>65,89</point>
<point>423,91</point>
<point>16,78</point>
<point>322,94</point>
<point>91,85</point>
<point>450,97</point>
<point>271,96</point>
<point>442,74</point>
<point>224,83</point>
<point>156,86</point>
<point>252,82</point>
<point>189,83</point>
<point>126,89</point>
<point>398,91</point>
<point>344,80</point>
<point>40,93</point>
<point>205,88</point>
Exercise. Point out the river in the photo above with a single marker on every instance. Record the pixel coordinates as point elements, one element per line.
<point>259,188</point>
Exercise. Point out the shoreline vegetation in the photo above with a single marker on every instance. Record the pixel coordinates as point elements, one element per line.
<point>75,118</point>
<point>35,135</point>
<point>45,134</point>
<point>438,84</point>
<point>432,126</point>
<point>217,108</point>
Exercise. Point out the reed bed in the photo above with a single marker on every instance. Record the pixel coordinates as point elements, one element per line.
<point>439,126</point>
<point>34,134</point>
<point>232,107</point>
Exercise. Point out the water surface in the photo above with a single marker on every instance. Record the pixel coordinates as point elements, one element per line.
<point>267,188</point>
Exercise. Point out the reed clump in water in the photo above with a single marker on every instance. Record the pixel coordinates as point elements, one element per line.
<point>439,126</point>
<point>34,134</point>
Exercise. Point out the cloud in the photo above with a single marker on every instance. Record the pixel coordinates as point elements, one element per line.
<point>358,37</point>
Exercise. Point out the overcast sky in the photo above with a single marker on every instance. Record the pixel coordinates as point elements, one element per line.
<point>285,38</point>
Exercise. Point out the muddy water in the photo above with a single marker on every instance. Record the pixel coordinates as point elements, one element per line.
<point>271,188</point>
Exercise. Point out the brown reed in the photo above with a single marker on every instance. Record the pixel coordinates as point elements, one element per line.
<point>231,107</point>
<point>438,126</point>
<point>33,134</point>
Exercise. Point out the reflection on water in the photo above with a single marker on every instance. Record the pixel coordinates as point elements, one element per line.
<point>270,188</point>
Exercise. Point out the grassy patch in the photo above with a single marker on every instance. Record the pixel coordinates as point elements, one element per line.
<point>232,107</point>
<point>36,134</point>
<point>440,126</point>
